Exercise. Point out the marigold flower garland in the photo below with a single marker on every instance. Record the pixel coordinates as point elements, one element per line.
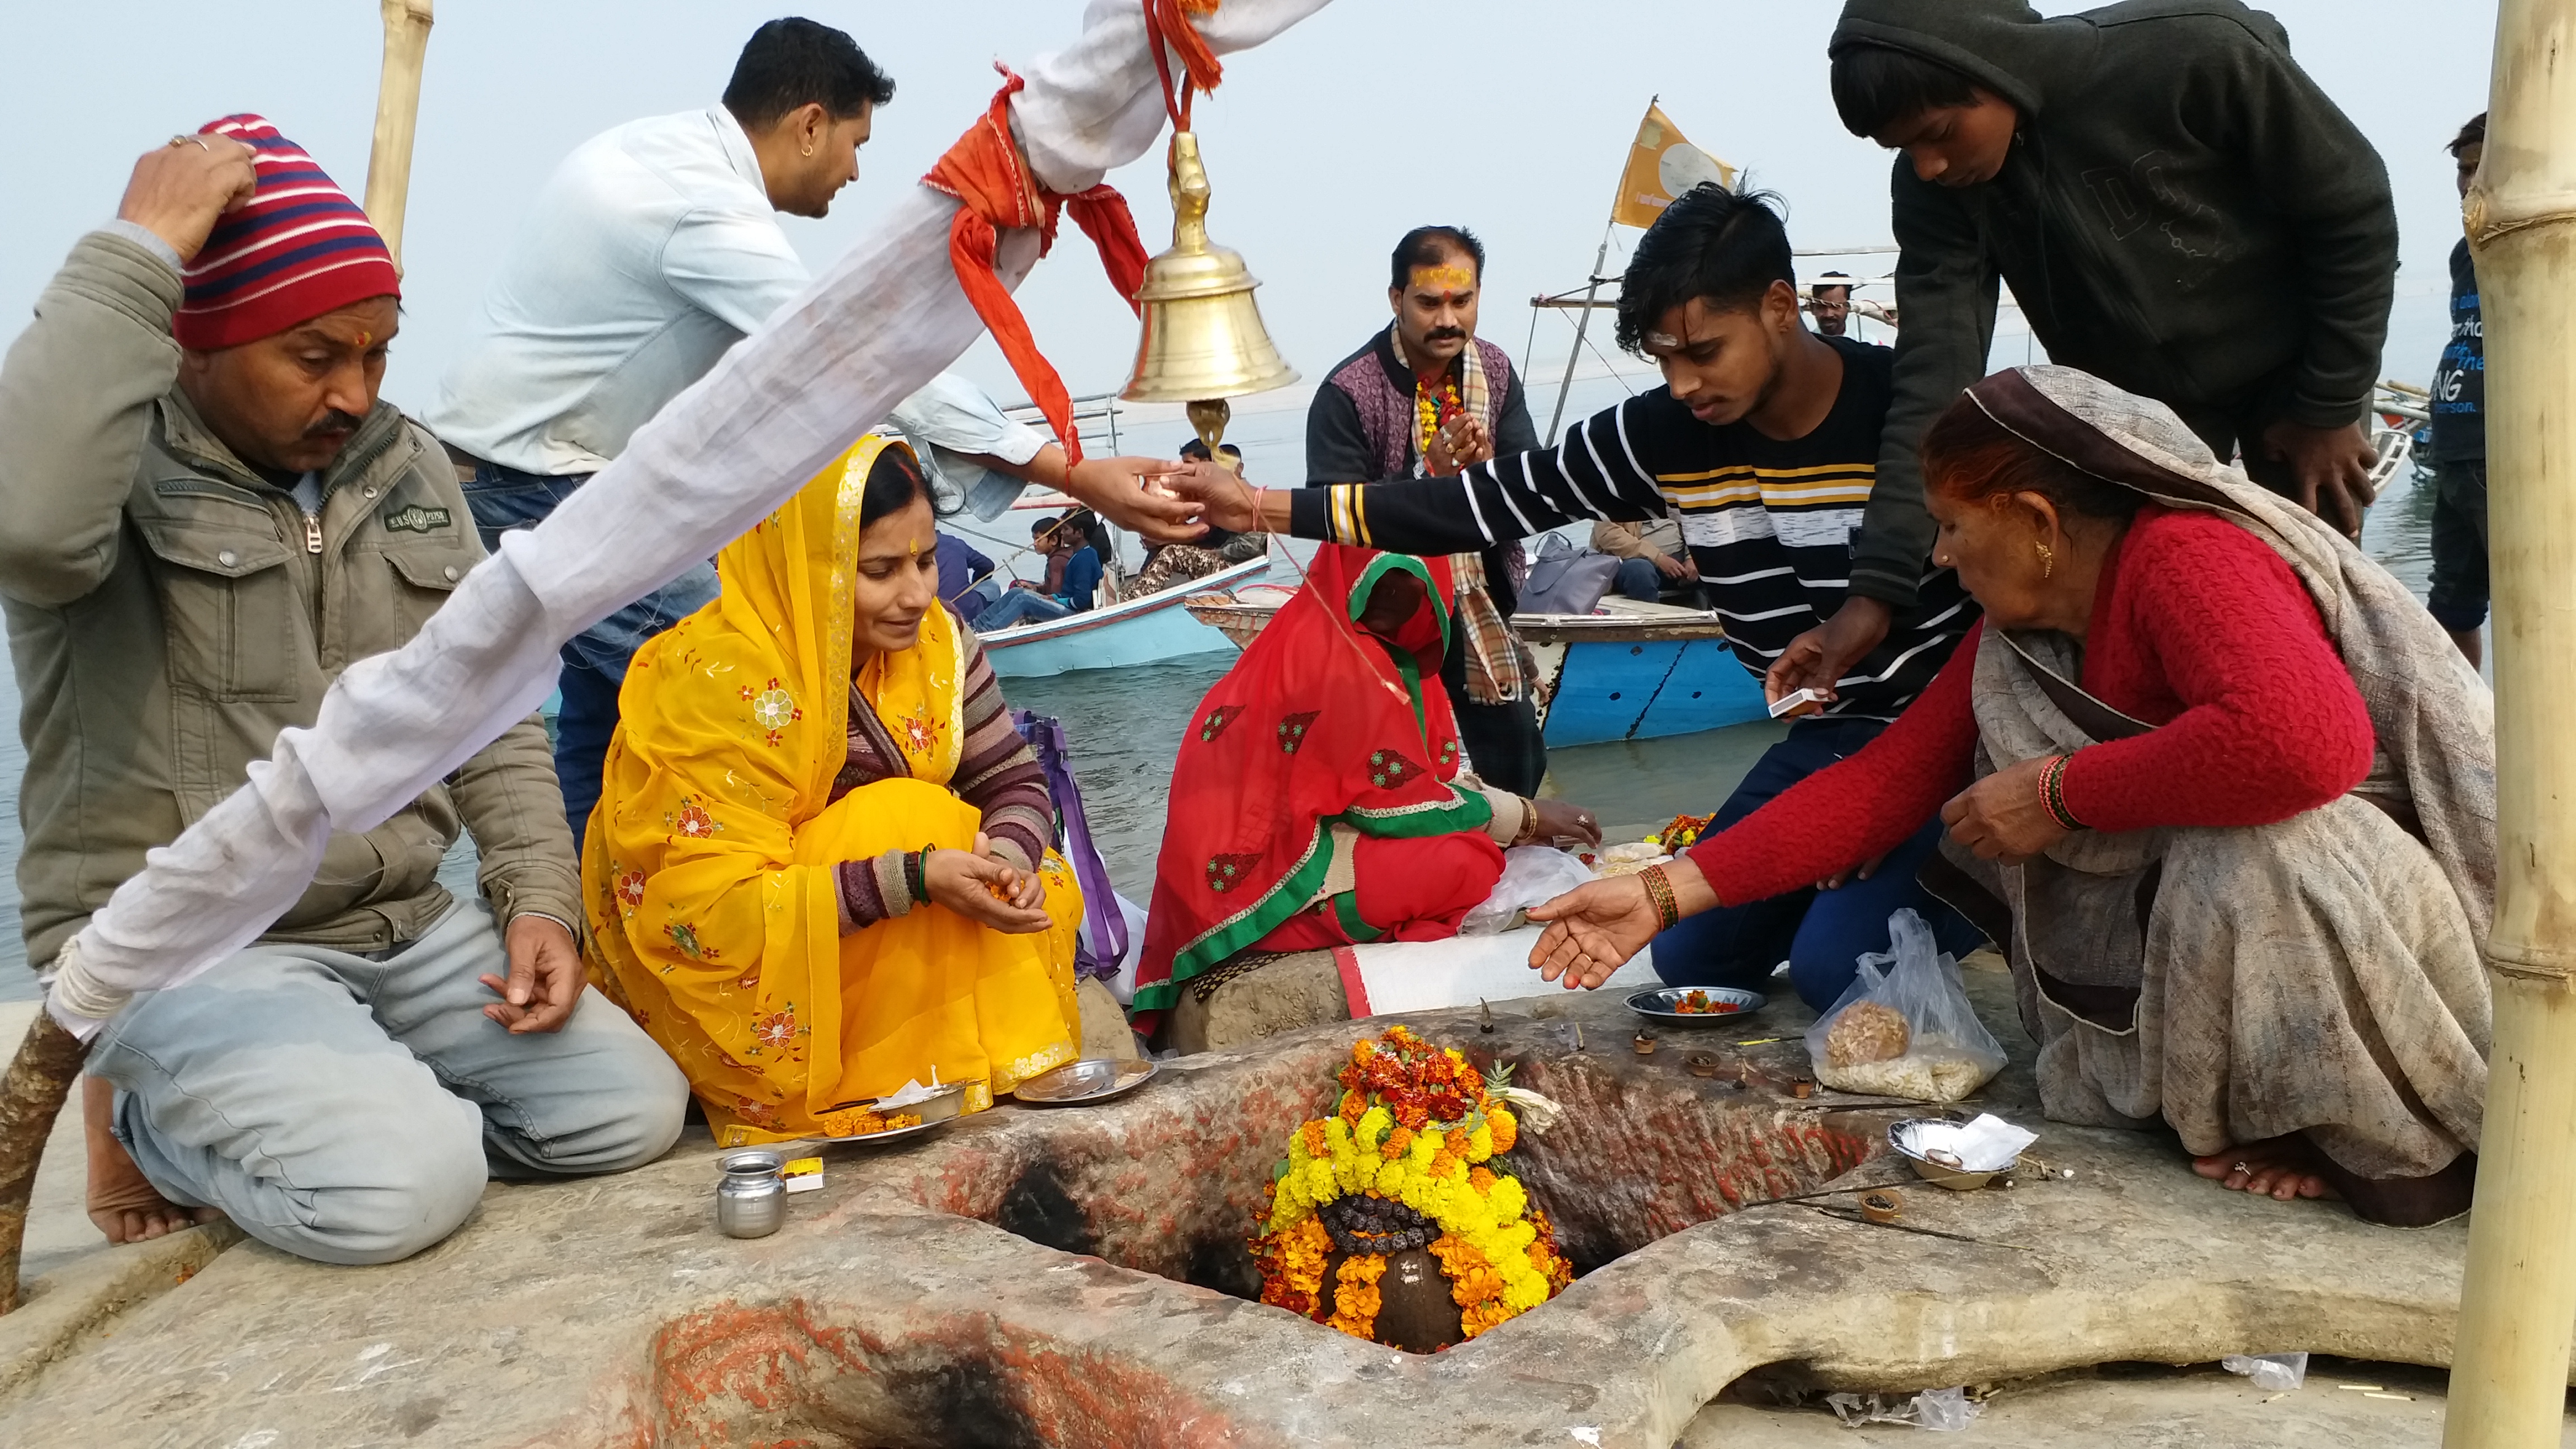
<point>1416,1126</point>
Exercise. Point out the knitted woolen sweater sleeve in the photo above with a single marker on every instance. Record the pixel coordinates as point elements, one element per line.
<point>1859,808</point>
<point>2271,724</point>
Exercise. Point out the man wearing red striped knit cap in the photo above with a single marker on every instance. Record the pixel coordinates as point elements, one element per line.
<point>206,513</point>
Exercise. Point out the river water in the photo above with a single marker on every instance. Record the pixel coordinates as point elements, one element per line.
<point>1125,729</point>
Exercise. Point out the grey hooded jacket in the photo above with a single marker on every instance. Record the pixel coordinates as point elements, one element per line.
<point>2184,214</point>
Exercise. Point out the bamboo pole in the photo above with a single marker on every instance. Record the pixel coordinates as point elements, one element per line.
<point>2509,1366</point>
<point>397,117</point>
<point>31,1097</point>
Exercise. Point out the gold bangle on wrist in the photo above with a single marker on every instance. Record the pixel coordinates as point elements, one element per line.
<point>1659,890</point>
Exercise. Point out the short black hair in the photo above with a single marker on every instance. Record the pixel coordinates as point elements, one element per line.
<point>1878,88</point>
<point>1198,448</point>
<point>794,62</point>
<point>1425,245</point>
<point>2474,133</point>
<point>1722,247</point>
<point>894,480</point>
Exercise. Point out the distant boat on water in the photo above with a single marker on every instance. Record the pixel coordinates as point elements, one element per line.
<point>1634,671</point>
<point>1142,630</point>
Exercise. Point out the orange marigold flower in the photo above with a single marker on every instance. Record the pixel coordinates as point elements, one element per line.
<point>1354,1107</point>
<point>1481,1178</point>
<point>1398,1142</point>
<point>1506,1131</point>
<point>1312,1136</point>
<point>1442,1164</point>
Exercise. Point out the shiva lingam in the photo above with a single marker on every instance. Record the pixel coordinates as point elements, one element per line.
<point>1203,340</point>
<point>1396,1218</point>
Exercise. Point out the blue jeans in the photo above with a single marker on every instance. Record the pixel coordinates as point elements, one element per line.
<point>594,662</point>
<point>350,1110</point>
<point>1019,606</point>
<point>1821,933</point>
<point>1639,579</point>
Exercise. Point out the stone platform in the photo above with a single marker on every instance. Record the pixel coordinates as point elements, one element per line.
<point>1078,1277</point>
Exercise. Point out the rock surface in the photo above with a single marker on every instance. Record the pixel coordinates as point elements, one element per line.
<point>1074,1277</point>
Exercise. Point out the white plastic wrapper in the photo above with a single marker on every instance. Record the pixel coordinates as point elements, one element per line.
<point>1989,1144</point>
<point>1533,875</point>
<point>2276,1373</point>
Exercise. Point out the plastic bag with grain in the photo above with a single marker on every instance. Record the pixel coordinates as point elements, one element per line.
<point>1904,1027</point>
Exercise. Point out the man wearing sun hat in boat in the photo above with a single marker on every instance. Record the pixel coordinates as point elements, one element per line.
<point>206,513</point>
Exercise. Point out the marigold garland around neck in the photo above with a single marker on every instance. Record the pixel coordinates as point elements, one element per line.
<point>1409,1161</point>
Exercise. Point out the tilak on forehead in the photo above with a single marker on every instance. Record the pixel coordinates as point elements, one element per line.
<point>1445,277</point>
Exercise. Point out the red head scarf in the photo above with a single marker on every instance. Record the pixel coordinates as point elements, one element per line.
<point>1320,722</point>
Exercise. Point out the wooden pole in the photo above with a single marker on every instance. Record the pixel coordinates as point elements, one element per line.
<point>2509,1366</point>
<point>31,1097</point>
<point>397,117</point>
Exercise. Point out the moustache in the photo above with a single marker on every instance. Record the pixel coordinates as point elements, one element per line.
<point>334,423</point>
<point>1446,334</point>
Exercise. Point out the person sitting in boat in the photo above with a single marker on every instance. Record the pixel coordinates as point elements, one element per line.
<point>2226,789</point>
<point>966,582</point>
<point>1762,445</point>
<point>1167,564</point>
<point>1072,575</point>
<point>821,865</point>
<point>1320,799</point>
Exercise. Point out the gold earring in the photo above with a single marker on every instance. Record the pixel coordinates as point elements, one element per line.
<point>2047,560</point>
<point>809,150</point>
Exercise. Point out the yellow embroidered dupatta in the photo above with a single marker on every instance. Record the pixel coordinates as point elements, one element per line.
<point>709,864</point>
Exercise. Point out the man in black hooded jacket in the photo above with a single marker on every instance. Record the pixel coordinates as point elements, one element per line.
<point>2178,209</point>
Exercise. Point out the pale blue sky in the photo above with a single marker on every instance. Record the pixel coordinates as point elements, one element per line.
<point>1508,116</point>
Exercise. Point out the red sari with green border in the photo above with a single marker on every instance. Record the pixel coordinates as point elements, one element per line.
<point>1321,723</point>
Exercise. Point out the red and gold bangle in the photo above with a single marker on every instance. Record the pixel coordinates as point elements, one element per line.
<point>1668,910</point>
<point>2052,792</point>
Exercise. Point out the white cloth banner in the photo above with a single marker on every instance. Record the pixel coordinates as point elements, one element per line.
<point>868,333</point>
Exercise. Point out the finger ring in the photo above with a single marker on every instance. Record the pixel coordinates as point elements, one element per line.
<point>2241,1167</point>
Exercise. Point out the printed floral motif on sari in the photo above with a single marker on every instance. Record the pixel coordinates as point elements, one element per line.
<point>758,1114</point>
<point>774,708</point>
<point>1388,768</point>
<point>1293,728</point>
<point>1225,872</point>
<point>1218,718</point>
<point>629,885</point>
<point>691,821</point>
<point>1448,753</point>
<point>779,1035</point>
<point>920,733</point>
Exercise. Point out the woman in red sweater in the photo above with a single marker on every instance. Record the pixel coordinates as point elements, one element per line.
<point>2210,776</point>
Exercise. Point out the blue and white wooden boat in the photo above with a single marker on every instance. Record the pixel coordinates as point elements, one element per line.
<point>1634,672</point>
<point>1132,631</point>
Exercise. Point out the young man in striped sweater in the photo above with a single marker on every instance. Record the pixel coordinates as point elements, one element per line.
<point>1763,445</point>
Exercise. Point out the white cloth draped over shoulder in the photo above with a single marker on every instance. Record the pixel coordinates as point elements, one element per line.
<point>869,332</point>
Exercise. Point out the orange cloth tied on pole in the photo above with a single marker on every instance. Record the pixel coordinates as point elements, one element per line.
<point>987,174</point>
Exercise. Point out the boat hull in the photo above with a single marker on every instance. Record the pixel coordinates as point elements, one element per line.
<point>1609,690</point>
<point>1132,631</point>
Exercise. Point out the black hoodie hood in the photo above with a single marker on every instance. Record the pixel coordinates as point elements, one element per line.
<point>2004,45</point>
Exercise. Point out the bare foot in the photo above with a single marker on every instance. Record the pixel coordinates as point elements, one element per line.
<point>122,1201</point>
<point>2282,1168</point>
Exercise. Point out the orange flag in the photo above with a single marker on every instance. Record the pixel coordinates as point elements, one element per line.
<point>1662,166</point>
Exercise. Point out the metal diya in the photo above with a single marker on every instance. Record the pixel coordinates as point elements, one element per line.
<point>1659,1005</point>
<point>1937,1167</point>
<point>1094,1079</point>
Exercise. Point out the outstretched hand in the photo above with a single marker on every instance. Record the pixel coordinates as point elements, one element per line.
<point>1596,928</point>
<point>1821,656</point>
<point>1222,499</point>
<point>1116,488</point>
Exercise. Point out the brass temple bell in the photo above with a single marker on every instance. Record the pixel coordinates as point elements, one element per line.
<point>1203,340</point>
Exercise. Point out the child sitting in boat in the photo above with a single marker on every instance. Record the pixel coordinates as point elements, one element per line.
<point>1320,799</point>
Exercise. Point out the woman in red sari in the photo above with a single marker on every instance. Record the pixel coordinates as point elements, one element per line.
<point>1318,799</point>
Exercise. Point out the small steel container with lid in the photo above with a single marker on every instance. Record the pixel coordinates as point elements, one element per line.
<point>751,1195</point>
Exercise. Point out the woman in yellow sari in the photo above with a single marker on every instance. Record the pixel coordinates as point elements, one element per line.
<point>819,868</point>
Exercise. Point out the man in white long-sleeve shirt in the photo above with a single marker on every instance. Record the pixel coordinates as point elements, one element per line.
<point>652,249</point>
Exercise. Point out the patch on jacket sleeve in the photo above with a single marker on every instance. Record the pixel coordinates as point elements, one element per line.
<point>414,518</point>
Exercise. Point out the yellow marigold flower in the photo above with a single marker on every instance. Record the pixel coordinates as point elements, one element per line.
<point>1480,1143</point>
<point>1372,1125</point>
<point>1426,1143</point>
<point>1508,1200</point>
<point>1524,1292</point>
<point>1320,1186</point>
